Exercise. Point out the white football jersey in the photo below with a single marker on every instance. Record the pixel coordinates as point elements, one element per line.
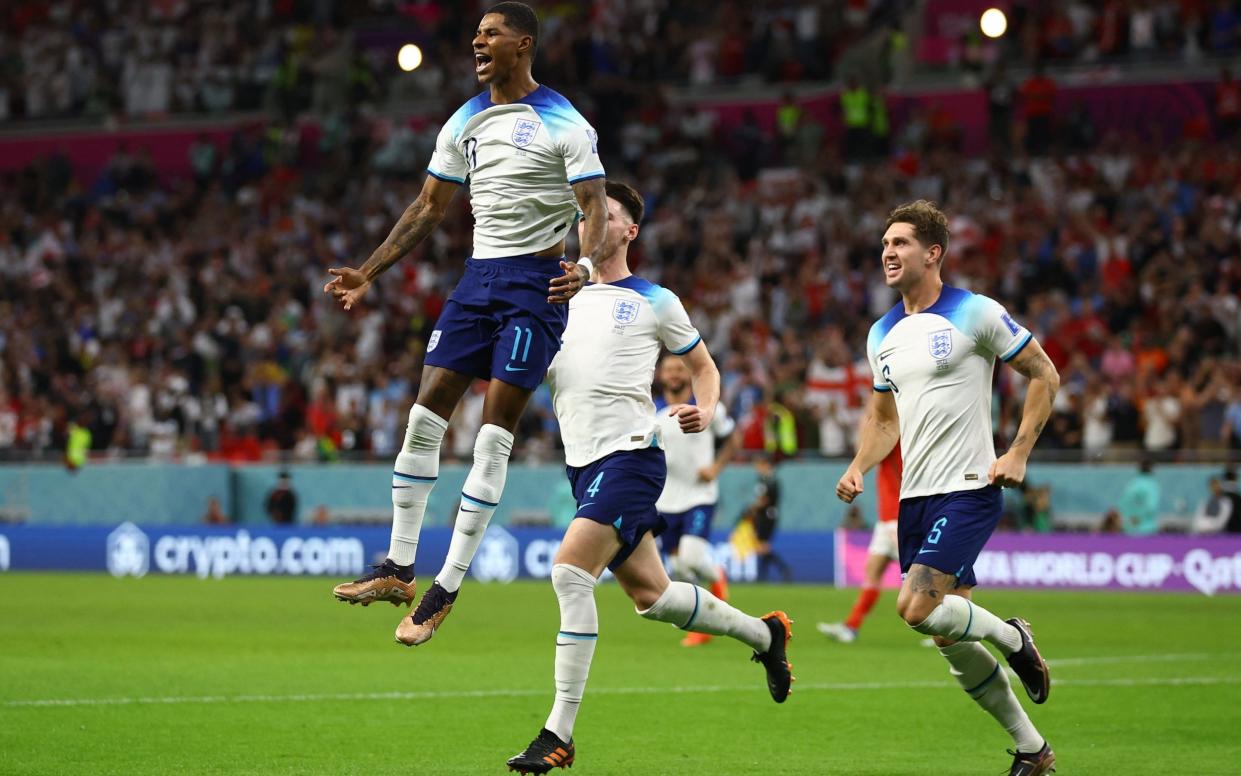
<point>601,378</point>
<point>938,365</point>
<point>687,454</point>
<point>520,160</point>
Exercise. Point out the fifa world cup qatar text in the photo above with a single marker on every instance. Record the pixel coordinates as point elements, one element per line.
<point>533,168</point>
<point>601,390</point>
<point>932,356</point>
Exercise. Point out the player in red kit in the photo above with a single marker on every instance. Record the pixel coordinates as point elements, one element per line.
<point>882,551</point>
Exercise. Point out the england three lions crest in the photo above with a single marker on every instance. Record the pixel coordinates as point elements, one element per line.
<point>524,131</point>
<point>625,311</point>
<point>940,343</point>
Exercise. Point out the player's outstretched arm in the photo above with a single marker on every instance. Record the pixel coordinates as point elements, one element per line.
<point>418,221</point>
<point>705,379</point>
<point>1010,468</point>
<point>880,431</point>
<point>592,199</point>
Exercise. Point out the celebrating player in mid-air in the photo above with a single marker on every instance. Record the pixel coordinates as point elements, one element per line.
<point>932,357</point>
<point>692,488</point>
<point>601,388</point>
<point>533,166</point>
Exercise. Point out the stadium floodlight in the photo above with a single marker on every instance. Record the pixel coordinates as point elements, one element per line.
<point>993,22</point>
<point>409,57</point>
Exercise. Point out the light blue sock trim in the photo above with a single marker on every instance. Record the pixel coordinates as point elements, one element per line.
<point>413,478</point>
<point>579,636</point>
<point>478,502</point>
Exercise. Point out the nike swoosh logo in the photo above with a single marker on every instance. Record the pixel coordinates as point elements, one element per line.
<point>564,644</point>
<point>927,552</point>
<point>471,511</point>
<point>401,487</point>
<point>883,356</point>
<point>511,368</point>
<point>588,503</point>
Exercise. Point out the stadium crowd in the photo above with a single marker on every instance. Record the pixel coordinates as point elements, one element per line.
<point>185,316</point>
<point>142,312</point>
<point>123,59</point>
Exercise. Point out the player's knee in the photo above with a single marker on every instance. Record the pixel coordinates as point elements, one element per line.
<point>914,608</point>
<point>646,598</point>
<point>424,431</point>
<point>493,444</point>
<point>571,582</point>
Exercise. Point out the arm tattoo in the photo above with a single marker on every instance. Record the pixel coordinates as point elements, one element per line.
<point>411,228</point>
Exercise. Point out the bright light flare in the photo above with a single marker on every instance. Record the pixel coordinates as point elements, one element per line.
<point>409,57</point>
<point>993,22</point>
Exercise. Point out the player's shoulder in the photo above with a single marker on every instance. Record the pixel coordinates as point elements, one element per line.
<point>546,100</point>
<point>880,328</point>
<point>658,296</point>
<point>468,110</point>
<point>968,311</point>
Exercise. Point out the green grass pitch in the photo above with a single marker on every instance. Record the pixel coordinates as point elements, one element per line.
<point>246,675</point>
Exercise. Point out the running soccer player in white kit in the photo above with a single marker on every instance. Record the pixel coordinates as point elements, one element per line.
<point>601,388</point>
<point>932,356</point>
<point>692,489</point>
<point>533,167</point>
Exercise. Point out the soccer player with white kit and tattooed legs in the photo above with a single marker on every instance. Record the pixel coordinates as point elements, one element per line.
<point>601,389</point>
<point>533,168</point>
<point>932,356</point>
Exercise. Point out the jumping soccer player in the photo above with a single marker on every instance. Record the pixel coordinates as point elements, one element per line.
<point>882,551</point>
<point>932,356</point>
<point>692,489</point>
<point>601,388</point>
<point>532,162</point>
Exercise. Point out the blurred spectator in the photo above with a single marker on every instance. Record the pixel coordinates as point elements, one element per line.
<point>1038,97</point>
<point>1229,487</point>
<point>215,513</point>
<point>1139,503</point>
<point>1112,522</point>
<point>764,513</point>
<point>281,501</point>
<point>1214,511</point>
<point>1227,105</point>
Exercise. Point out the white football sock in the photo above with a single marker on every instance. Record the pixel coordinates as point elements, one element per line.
<point>479,498</point>
<point>695,555</point>
<point>575,644</point>
<point>985,680</point>
<point>960,619</point>
<point>692,608</point>
<point>417,467</point>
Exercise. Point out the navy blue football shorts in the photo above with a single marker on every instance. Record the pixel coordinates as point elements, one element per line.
<point>695,522</point>
<point>947,531</point>
<point>620,490</point>
<point>497,323</point>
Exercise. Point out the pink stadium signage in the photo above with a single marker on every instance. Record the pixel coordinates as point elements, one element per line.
<point>1209,565</point>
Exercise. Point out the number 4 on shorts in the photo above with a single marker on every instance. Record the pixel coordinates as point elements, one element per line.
<point>594,486</point>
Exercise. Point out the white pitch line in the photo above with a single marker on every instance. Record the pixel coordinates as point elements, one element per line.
<point>1169,658</point>
<point>1173,681</point>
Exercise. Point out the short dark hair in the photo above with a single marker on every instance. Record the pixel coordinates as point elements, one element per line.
<point>628,197</point>
<point>929,223</point>
<point>520,17</point>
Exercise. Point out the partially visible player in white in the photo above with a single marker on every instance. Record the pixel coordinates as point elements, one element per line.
<point>692,490</point>
<point>933,356</point>
<point>601,389</point>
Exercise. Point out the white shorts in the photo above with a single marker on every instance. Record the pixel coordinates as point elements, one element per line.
<point>883,540</point>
